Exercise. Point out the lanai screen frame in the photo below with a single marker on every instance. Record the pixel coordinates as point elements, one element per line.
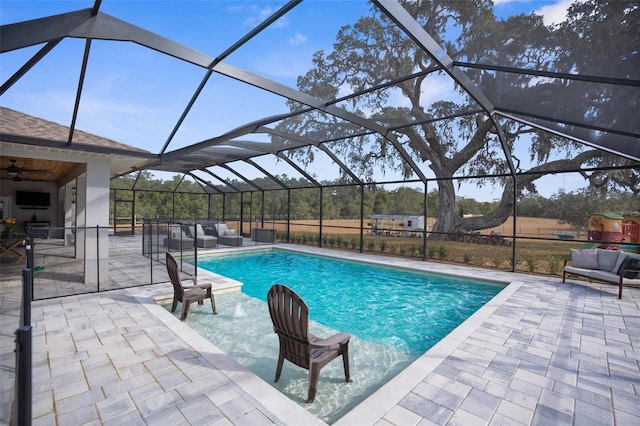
<point>91,24</point>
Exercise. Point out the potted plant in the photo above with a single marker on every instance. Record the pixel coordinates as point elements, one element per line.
<point>9,223</point>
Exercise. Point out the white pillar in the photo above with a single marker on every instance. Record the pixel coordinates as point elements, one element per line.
<point>96,209</point>
<point>69,213</point>
<point>81,216</point>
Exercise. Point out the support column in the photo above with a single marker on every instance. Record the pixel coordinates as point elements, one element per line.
<point>69,214</point>
<point>81,217</point>
<point>97,222</point>
<point>92,211</point>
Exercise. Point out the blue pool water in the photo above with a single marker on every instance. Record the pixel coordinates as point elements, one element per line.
<point>394,316</point>
<point>410,310</point>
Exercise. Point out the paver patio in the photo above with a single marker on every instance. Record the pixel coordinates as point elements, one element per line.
<point>541,352</point>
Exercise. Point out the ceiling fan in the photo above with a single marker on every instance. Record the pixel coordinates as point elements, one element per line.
<point>16,171</point>
<point>17,178</point>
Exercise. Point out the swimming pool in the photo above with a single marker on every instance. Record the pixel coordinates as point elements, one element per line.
<point>412,310</point>
<point>394,316</point>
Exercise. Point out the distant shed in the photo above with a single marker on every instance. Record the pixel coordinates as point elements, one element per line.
<point>396,224</point>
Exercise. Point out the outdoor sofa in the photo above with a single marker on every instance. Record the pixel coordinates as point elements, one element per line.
<point>612,266</point>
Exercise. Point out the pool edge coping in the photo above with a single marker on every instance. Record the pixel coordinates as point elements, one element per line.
<point>373,409</point>
<point>269,400</point>
<point>380,402</point>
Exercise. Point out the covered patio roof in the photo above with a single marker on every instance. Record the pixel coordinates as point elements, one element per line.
<point>241,148</point>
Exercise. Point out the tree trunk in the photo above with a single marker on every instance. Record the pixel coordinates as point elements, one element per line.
<point>447,220</point>
<point>495,218</point>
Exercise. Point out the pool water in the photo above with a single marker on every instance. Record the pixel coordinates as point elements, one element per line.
<point>394,316</point>
<point>410,310</point>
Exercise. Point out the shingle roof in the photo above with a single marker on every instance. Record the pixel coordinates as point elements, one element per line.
<point>18,123</point>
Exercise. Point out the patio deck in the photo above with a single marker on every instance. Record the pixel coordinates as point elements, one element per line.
<point>541,352</point>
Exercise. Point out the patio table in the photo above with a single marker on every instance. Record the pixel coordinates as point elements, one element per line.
<point>8,246</point>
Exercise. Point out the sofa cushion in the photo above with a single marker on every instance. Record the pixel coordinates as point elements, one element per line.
<point>584,258</point>
<point>175,231</point>
<point>187,230</point>
<point>578,271</point>
<point>607,260</point>
<point>604,276</point>
<point>221,230</point>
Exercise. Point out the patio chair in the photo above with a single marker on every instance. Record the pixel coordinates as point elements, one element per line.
<point>177,239</point>
<point>202,240</point>
<point>227,236</point>
<point>290,317</point>
<point>187,294</point>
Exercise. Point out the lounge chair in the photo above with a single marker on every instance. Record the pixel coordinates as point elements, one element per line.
<point>177,239</point>
<point>227,236</point>
<point>290,317</point>
<point>202,240</point>
<point>187,294</point>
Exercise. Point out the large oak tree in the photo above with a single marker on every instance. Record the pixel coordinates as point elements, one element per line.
<point>374,51</point>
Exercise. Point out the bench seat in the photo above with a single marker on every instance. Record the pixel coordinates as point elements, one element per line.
<point>594,271</point>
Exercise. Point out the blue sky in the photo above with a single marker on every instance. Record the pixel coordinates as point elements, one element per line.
<point>135,96</point>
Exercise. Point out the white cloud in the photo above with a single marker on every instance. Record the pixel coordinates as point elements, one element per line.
<point>260,14</point>
<point>437,87</point>
<point>297,39</point>
<point>554,13</point>
<point>344,90</point>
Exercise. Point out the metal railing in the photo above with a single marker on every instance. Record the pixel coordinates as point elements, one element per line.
<point>22,409</point>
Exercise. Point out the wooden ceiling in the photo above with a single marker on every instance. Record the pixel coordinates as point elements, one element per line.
<point>48,170</point>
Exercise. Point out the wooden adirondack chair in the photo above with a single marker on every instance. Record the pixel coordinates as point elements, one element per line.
<point>290,317</point>
<point>189,293</point>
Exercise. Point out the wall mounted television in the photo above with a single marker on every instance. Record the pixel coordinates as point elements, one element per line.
<point>33,199</point>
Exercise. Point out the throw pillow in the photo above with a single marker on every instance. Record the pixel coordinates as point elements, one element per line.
<point>584,258</point>
<point>607,259</point>
<point>221,229</point>
<point>630,267</point>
